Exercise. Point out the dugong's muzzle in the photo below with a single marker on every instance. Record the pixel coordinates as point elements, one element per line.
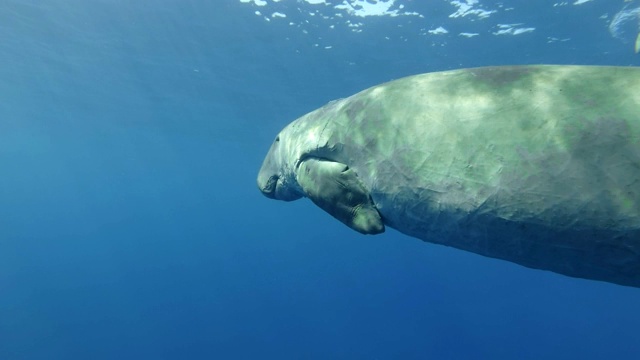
<point>267,184</point>
<point>274,185</point>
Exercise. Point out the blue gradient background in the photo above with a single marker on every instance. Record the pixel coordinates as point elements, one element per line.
<point>131,227</point>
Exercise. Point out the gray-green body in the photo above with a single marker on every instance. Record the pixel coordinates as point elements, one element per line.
<point>538,165</point>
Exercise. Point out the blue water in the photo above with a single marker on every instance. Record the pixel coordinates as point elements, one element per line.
<point>131,133</point>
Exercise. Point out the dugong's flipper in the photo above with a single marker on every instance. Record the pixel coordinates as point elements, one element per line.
<point>336,189</point>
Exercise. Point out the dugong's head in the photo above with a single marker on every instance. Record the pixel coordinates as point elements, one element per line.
<point>296,142</point>
<point>304,161</point>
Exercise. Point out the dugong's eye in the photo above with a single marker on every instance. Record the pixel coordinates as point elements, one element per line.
<point>277,139</point>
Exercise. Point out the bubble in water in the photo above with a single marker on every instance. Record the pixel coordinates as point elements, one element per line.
<point>625,25</point>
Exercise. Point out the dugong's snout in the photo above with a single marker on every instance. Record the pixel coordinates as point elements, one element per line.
<point>275,187</point>
<point>273,181</point>
<point>267,185</point>
<point>268,175</point>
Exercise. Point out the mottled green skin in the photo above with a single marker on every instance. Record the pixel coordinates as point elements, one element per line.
<point>538,165</point>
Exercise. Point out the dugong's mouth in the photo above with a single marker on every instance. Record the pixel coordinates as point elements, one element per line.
<point>275,188</point>
<point>268,188</point>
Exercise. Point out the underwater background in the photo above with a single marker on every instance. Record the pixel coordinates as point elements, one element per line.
<point>131,227</point>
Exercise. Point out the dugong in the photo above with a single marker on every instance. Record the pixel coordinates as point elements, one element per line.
<point>537,165</point>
